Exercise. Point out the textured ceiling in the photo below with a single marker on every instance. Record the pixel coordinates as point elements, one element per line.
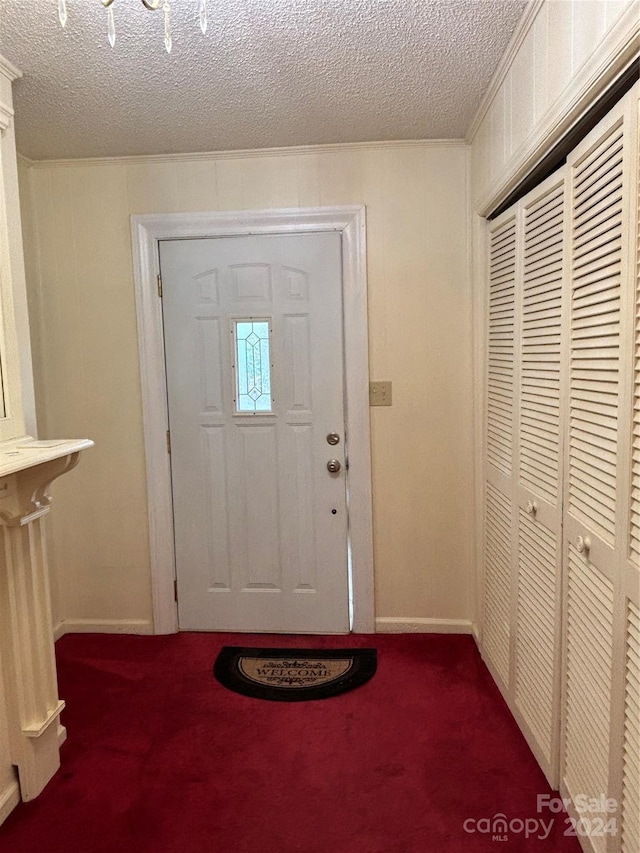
<point>268,73</point>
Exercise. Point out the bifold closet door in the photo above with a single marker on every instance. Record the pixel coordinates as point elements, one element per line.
<point>561,551</point>
<point>523,471</point>
<point>498,546</point>
<point>627,772</point>
<point>596,520</point>
<point>536,588</point>
<point>523,507</point>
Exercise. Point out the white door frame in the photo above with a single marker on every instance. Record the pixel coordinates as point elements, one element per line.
<point>146,231</point>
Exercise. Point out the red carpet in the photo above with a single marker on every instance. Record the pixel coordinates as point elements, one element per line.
<point>162,759</point>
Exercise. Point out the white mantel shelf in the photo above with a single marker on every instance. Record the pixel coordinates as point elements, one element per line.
<point>27,452</point>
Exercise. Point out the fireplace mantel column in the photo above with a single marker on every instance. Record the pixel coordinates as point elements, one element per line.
<point>26,633</point>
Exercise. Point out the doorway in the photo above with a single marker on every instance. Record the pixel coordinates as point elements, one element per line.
<point>346,227</point>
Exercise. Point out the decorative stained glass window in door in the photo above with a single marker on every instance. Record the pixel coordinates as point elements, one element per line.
<point>253,366</point>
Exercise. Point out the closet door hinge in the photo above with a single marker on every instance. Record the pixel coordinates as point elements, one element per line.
<point>175,589</point>
<point>168,441</point>
<point>160,285</point>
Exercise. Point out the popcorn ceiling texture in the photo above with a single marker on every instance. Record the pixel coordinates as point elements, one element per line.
<point>268,73</point>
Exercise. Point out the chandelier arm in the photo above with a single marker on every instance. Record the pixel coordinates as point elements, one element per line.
<point>106,3</point>
<point>150,4</point>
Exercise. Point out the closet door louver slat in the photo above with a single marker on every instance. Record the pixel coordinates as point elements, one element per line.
<point>596,252</point>
<point>630,807</point>
<point>500,379</point>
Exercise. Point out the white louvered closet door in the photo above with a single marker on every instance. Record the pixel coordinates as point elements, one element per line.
<point>501,416</point>
<point>597,457</point>
<point>537,579</point>
<point>627,770</point>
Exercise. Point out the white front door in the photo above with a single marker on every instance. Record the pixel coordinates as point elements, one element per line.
<point>254,350</point>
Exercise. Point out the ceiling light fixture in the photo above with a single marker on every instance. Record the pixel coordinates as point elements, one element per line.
<point>152,5</point>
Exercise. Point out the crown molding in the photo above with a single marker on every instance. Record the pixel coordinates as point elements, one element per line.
<point>24,161</point>
<point>520,33</point>
<point>245,153</point>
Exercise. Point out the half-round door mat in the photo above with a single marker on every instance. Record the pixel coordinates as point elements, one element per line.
<point>293,675</point>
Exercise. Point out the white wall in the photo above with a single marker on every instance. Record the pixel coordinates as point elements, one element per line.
<point>563,53</point>
<point>86,363</point>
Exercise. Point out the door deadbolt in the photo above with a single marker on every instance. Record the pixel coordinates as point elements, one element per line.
<point>333,466</point>
<point>333,438</point>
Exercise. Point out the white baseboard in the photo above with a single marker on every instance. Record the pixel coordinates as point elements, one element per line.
<point>418,625</point>
<point>384,625</point>
<point>102,626</point>
<point>9,799</point>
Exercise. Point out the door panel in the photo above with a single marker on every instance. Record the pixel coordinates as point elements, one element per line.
<point>496,631</point>
<point>501,416</point>
<point>500,378</point>
<point>253,338</point>
<point>595,335</point>
<point>536,642</point>
<point>542,381</point>
<point>588,650</point>
<point>630,800</point>
<point>629,789</point>
<point>541,343</point>
<point>598,534</point>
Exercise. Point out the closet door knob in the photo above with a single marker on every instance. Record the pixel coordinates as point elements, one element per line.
<point>532,507</point>
<point>583,544</point>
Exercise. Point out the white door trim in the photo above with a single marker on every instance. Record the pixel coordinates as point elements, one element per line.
<point>146,231</point>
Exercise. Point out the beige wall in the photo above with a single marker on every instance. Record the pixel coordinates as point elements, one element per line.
<point>83,325</point>
<point>545,80</point>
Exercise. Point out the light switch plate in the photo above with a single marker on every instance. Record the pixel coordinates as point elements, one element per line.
<point>379,393</point>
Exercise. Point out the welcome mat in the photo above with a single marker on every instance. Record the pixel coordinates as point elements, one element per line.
<point>293,675</point>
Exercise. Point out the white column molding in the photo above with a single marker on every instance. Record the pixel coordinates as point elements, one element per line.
<point>9,70</point>
<point>6,116</point>
<point>26,632</point>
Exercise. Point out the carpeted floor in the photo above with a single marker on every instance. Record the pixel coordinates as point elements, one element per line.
<point>161,758</point>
